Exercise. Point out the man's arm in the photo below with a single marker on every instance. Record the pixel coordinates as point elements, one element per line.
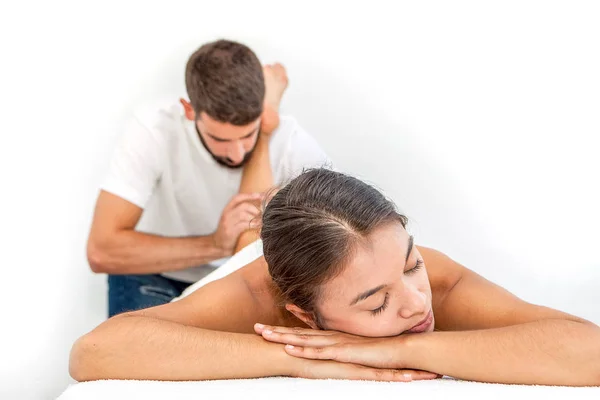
<point>496,337</point>
<point>115,247</point>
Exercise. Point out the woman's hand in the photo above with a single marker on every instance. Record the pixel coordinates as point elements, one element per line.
<point>384,353</point>
<point>325,369</point>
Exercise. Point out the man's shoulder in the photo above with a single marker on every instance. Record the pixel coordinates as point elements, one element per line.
<point>296,148</point>
<point>288,123</point>
<point>290,130</point>
<point>159,115</point>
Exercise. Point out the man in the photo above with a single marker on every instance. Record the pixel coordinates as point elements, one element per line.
<point>171,208</point>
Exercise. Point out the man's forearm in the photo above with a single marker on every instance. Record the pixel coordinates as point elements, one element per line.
<point>547,352</point>
<point>132,252</point>
<point>136,347</point>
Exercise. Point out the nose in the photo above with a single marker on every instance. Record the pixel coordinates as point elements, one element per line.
<point>236,152</point>
<point>413,302</point>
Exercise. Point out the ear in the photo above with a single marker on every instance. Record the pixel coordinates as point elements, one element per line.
<point>302,315</point>
<point>189,110</point>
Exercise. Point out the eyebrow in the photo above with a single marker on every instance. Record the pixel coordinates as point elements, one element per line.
<point>229,140</point>
<point>410,246</point>
<point>371,292</point>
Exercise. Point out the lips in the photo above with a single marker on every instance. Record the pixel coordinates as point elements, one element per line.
<point>424,325</point>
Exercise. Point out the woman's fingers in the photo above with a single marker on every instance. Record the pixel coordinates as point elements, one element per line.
<point>345,354</point>
<point>299,339</point>
<point>314,353</point>
<point>336,370</point>
<point>417,375</point>
<point>297,336</point>
<point>259,328</point>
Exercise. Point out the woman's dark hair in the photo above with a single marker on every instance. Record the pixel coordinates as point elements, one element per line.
<point>311,227</point>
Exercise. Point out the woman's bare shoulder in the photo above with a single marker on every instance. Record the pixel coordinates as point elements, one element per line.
<point>443,271</point>
<point>265,295</point>
<point>233,303</point>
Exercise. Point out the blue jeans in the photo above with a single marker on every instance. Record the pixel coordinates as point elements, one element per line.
<point>134,292</point>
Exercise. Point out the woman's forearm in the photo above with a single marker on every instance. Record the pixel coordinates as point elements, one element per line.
<point>547,352</point>
<point>257,176</point>
<point>137,347</point>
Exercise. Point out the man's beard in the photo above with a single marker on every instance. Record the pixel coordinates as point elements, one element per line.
<point>225,161</point>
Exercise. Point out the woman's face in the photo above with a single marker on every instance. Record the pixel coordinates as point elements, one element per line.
<point>383,291</point>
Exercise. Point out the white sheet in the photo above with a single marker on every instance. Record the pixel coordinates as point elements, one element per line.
<point>306,389</point>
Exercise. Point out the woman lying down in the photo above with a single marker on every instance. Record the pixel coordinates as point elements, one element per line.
<point>343,292</point>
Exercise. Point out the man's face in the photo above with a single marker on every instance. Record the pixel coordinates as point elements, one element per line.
<point>230,145</point>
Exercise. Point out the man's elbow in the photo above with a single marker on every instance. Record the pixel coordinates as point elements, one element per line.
<point>98,259</point>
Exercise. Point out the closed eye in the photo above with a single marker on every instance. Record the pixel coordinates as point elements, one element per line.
<point>381,308</point>
<point>414,269</point>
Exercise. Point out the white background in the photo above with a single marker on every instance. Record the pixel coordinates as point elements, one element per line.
<point>480,119</point>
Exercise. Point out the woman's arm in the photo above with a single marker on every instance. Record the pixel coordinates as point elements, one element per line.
<point>545,352</point>
<point>202,336</point>
<point>256,178</point>
<point>483,333</point>
<point>502,338</point>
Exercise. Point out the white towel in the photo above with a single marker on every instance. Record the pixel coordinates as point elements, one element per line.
<point>243,257</point>
<point>309,389</point>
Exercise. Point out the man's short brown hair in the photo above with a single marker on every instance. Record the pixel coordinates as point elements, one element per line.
<point>225,80</point>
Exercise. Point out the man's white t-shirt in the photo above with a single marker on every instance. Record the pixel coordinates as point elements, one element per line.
<point>161,166</point>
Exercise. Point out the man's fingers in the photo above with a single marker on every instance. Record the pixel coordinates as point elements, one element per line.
<point>243,215</point>
<point>243,219</point>
<point>244,212</point>
<point>241,198</point>
<point>245,207</point>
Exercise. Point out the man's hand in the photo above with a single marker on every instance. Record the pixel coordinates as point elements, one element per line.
<point>239,215</point>
<point>276,82</point>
